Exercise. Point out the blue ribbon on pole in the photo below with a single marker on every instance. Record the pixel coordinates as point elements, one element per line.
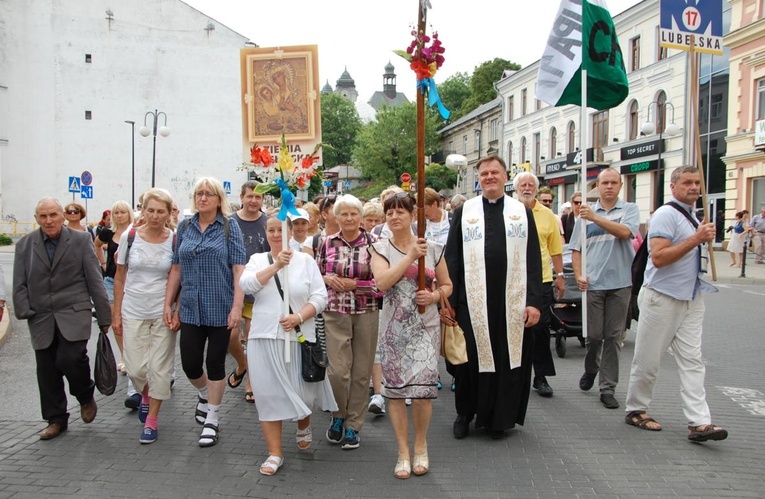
<point>288,201</point>
<point>429,85</point>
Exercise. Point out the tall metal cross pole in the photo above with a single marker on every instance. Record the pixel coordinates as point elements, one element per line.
<point>421,18</point>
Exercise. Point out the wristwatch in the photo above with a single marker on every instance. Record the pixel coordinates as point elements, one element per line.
<point>559,274</point>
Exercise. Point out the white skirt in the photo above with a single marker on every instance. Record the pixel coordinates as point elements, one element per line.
<point>279,390</point>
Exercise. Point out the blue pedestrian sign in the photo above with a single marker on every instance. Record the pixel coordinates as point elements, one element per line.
<point>327,183</point>
<point>702,19</point>
<point>347,184</point>
<point>87,192</point>
<point>74,184</point>
<point>227,187</point>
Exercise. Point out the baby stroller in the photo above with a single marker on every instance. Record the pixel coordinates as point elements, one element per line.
<point>566,313</point>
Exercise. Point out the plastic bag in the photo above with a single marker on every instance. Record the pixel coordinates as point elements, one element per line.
<point>106,367</point>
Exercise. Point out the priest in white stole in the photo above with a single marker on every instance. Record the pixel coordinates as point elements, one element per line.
<point>495,265</point>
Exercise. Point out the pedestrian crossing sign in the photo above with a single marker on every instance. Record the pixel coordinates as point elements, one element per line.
<point>74,184</point>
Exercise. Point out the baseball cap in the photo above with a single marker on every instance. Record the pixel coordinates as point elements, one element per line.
<point>303,215</point>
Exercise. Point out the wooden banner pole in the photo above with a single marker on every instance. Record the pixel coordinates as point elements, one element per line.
<point>421,18</point>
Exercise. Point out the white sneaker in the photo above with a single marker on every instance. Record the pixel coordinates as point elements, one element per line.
<point>377,405</point>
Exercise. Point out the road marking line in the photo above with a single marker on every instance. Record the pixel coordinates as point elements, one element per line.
<point>752,401</point>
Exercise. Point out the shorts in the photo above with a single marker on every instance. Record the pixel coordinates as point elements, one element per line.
<point>247,310</point>
<point>109,285</point>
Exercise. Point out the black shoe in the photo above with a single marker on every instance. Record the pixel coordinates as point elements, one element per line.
<point>461,426</point>
<point>133,401</point>
<point>497,434</point>
<point>609,401</point>
<point>542,387</point>
<point>586,381</point>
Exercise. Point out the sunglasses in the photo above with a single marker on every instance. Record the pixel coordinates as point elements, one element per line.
<point>328,201</point>
<point>545,201</point>
<point>72,212</point>
<point>576,202</point>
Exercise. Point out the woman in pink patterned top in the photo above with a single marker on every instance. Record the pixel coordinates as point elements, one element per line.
<point>351,319</point>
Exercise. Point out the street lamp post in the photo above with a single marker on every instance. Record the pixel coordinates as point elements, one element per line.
<point>132,169</point>
<point>671,130</point>
<point>164,131</point>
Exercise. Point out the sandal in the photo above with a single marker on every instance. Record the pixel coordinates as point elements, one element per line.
<point>421,461</point>
<point>209,438</point>
<point>642,421</point>
<point>200,413</point>
<point>304,437</point>
<point>249,397</point>
<point>237,378</point>
<point>403,469</point>
<point>705,432</point>
<point>271,465</point>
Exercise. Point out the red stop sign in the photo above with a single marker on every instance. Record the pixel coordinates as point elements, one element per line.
<point>405,177</point>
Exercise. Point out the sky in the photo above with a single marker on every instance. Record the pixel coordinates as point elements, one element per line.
<point>360,35</point>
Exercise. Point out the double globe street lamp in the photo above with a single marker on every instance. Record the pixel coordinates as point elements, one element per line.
<point>671,130</point>
<point>164,131</point>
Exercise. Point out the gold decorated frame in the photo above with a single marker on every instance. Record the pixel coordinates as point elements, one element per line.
<point>272,104</point>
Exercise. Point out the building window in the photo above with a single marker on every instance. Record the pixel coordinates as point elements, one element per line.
<point>451,147</point>
<point>464,143</point>
<point>523,102</point>
<point>553,143</point>
<point>634,122</point>
<point>477,141</point>
<point>88,58</point>
<point>537,104</point>
<point>522,157</point>
<point>494,129</point>
<point>537,148</point>
<point>571,140</point>
<point>635,54</point>
<point>716,107</point>
<point>761,99</point>
<point>88,115</point>
<point>510,109</point>
<point>510,153</point>
<point>661,52</point>
<point>599,133</point>
<point>661,112</point>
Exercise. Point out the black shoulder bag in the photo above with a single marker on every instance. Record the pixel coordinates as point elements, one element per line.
<point>313,355</point>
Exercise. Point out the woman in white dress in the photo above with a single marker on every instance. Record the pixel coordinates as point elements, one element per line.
<point>279,389</point>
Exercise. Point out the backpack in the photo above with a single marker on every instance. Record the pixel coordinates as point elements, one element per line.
<point>640,262</point>
<point>131,238</point>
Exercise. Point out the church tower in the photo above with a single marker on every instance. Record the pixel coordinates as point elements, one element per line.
<point>346,87</point>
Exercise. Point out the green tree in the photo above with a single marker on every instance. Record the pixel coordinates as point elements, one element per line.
<point>387,147</point>
<point>482,82</point>
<point>340,124</point>
<point>453,92</point>
<point>439,177</point>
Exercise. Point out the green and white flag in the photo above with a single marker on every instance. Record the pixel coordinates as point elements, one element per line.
<point>582,26</point>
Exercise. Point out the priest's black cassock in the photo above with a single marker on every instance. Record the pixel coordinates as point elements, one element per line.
<point>498,400</point>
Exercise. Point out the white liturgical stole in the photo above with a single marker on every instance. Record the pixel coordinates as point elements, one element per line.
<point>516,237</point>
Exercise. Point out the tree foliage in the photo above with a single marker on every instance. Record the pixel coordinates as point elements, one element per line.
<point>482,82</point>
<point>453,92</point>
<point>387,147</point>
<point>439,177</point>
<point>340,125</point>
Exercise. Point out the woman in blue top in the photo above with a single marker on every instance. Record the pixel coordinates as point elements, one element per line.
<point>207,263</point>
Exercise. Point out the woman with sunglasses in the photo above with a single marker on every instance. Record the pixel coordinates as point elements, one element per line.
<point>74,214</point>
<point>569,219</point>
<point>409,342</point>
<point>207,263</point>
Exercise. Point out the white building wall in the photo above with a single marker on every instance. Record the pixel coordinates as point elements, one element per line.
<point>152,55</point>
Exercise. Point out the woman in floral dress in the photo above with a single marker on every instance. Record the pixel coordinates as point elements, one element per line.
<point>409,342</point>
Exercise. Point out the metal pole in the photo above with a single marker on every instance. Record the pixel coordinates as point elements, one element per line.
<point>154,151</point>
<point>743,255</point>
<point>132,177</point>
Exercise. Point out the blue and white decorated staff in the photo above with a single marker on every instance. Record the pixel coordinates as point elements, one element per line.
<point>494,234</point>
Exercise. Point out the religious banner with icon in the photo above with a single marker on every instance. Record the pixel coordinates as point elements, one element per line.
<point>280,95</point>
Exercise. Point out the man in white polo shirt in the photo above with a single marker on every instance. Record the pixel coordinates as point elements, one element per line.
<point>672,310</point>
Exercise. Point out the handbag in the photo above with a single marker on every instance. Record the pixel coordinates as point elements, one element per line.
<point>106,367</point>
<point>313,356</point>
<point>453,347</point>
